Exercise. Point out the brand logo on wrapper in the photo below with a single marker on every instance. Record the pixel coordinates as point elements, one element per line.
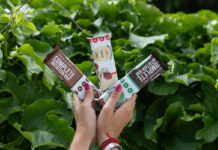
<point>64,70</point>
<point>69,73</point>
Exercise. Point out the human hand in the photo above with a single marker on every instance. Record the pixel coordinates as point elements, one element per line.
<point>113,121</point>
<point>85,117</point>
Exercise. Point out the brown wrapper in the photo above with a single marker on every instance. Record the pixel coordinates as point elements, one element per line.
<point>68,72</point>
<point>63,67</point>
<point>146,72</point>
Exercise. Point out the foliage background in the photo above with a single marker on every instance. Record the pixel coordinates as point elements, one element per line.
<point>177,111</point>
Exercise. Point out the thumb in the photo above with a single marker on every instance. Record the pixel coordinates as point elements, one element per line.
<point>89,95</point>
<point>114,97</point>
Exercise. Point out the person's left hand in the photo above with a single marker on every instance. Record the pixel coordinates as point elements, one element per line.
<point>85,117</point>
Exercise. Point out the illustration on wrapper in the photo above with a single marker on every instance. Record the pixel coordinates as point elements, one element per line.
<point>104,61</point>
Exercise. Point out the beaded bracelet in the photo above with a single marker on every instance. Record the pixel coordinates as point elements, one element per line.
<point>108,141</point>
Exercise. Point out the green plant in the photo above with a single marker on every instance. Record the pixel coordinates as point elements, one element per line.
<point>179,110</point>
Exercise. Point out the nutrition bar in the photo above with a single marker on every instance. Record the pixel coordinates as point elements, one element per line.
<point>145,72</point>
<point>69,73</point>
<point>104,61</point>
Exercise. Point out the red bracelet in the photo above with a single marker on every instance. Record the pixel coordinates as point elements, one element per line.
<point>108,141</point>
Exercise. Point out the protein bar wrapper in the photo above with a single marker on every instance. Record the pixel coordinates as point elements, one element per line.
<point>69,73</point>
<point>104,61</point>
<point>145,72</point>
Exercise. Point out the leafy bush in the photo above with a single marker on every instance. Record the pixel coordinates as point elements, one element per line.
<point>178,111</point>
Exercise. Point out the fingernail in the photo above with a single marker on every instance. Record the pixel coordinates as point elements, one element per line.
<point>118,88</point>
<point>87,87</point>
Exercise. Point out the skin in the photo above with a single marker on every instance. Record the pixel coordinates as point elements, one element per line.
<point>85,117</point>
<point>109,120</point>
<point>113,121</point>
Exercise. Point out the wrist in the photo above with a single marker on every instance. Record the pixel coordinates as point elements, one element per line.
<point>81,140</point>
<point>87,133</point>
<point>109,143</point>
<point>101,138</point>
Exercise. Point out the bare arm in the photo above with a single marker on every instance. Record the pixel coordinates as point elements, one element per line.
<point>85,118</point>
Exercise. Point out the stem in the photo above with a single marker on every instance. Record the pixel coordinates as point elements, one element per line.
<point>69,16</point>
<point>5,51</point>
<point>13,13</point>
<point>5,27</point>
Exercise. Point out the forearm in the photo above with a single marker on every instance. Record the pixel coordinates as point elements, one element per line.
<point>81,141</point>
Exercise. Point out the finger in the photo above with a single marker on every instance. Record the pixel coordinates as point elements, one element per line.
<point>89,95</point>
<point>114,97</point>
<point>131,102</point>
<point>76,102</point>
<point>126,109</point>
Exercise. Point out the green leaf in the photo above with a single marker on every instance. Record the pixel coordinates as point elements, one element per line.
<point>94,80</point>
<point>159,87</point>
<point>212,27</point>
<point>214,52</point>
<point>49,77</point>
<point>183,141</point>
<point>121,56</point>
<point>55,132</point>
<point>67,3</point>
<point>203,54</point>
<point>210,131</point>
<point>210,15</point>
<point>24,94</point>
<point>211,146</point>
<point>43,127</point>
<point>4,18</point>
<point>1,37</point>
<point>2,75</point>
<point>86,67</point>
<point>50,28</point>
<point>39,4</point>
<point>7,107</point>
<point>192,21</point>
<point>41,49</point>
<point>28,27</point>
<point>19,18</point>
<point>148,13</point>
<point>67,96</point>
<point>174,110</point>
<point>26,49</point>
<point>140,42</point>
<point>202,73</point>
<point>108,9</point>
<point>151,118</point>
<point>216,85</point>
<point>197,107</point>
<point>168,24</point>
<point>85,23</point>
<point>210,97</point>
<point>30,65</point>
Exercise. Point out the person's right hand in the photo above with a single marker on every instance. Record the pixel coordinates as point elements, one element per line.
<point>113,121</point>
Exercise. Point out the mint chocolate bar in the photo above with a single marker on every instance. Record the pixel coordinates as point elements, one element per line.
<point>69,73</point>
<point>137,78</point>
<point>104,61</point>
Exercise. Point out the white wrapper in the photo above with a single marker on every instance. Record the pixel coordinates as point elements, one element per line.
<point>104,61</point>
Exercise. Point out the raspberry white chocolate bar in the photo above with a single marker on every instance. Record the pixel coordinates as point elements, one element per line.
<point>69,73</point>
<point>137,78</point>
<point>104,61</point>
